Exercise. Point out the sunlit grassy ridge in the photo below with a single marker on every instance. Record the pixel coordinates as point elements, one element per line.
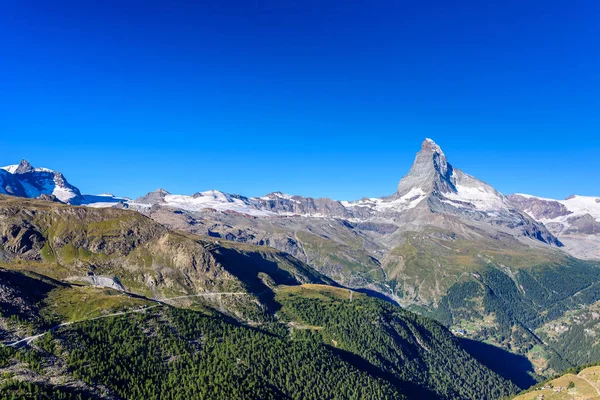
<point>581,384</point>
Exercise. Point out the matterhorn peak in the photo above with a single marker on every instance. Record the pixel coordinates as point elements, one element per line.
<point>430,171</point>
<point>430,145</point>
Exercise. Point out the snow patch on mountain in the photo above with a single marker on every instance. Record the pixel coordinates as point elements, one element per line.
<point>274,196</point>
<point>11,168</point>
<point>575,220</point>
<point>212,199</point>
<point>103,200</point>
<point>577,206</point>
<point>405,202</point>
<point>472,191</point>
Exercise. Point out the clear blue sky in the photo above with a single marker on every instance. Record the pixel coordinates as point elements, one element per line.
<point>320,98</point>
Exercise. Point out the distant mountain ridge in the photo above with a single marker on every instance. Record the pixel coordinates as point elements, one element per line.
<point>432,187</point>
<point>575,220</point>
<point>447,191</point>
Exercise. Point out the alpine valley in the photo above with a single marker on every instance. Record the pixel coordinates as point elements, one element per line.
<point>445,289</point>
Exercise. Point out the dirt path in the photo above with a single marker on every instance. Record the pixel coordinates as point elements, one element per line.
<point>590,383</point>
<point>29,339</point>
<point>205,294</point>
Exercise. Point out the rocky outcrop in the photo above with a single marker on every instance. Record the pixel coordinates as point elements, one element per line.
<point>280,203</point>
<point>156,197</point>
<point>539,208</point>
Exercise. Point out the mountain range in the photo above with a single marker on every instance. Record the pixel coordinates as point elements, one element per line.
<point>517,272</point>
<point>431,188</point>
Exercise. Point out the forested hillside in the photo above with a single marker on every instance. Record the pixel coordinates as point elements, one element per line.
<point>323,344</point>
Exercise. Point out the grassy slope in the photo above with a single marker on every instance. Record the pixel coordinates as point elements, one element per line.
<point>70,243</point>
<point>582,385</point>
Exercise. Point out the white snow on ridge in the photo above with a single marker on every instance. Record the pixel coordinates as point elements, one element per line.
<point>275,195</point>
<point>212,199</point>
<point>577,205</point>
<point>529,196</point>
<point>11,168</point>
<point>63,194</point>
<point>581,205</point>
<point>104,200</point>
<point>406,202</point>
<point>483,198</point>
<point>475,192</point>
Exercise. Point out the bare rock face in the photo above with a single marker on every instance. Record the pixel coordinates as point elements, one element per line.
<point>539,208</point>
<point>280,203</point>
<point>156,197</point>
<point>24,167</point>
<point>25,240</point>
<point>585,224</point>
<point>103,281</point>
<point>430,172</point>
<point>49,197</point>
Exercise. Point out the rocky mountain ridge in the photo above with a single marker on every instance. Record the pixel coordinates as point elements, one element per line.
<point>575,220</point>
<point>432,187</point>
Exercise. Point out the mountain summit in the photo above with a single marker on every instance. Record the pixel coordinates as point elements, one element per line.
<point>23,167</point>
<point>24,180</point>
<point>430,172</point>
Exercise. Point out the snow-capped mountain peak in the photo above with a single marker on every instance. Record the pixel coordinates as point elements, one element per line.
<point>27,181</point>
<point>21,168</point>
<point>432,174</point>
<point>430,171</point>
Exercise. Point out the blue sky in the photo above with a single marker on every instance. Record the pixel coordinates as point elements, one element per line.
<point>320,98</point>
